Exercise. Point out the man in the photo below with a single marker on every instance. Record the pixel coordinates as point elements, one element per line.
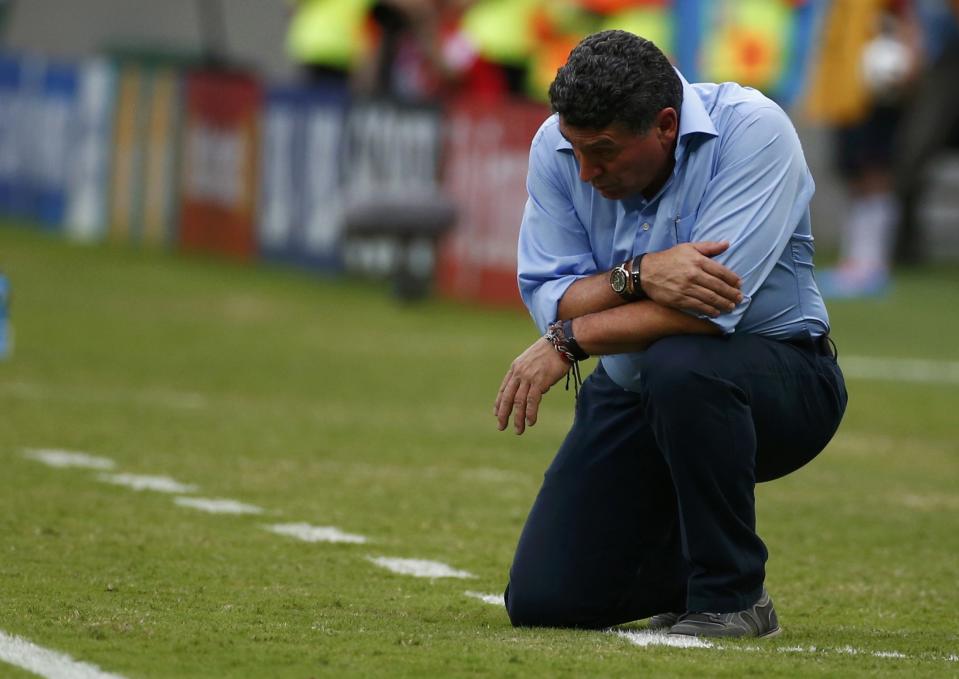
<point>667,230</point>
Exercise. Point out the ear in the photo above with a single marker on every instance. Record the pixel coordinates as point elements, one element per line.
<point>667,125</point>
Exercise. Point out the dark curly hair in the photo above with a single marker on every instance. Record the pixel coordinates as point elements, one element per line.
<point>615,76</point>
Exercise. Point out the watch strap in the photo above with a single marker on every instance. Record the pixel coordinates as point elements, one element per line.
<point>635,281</point>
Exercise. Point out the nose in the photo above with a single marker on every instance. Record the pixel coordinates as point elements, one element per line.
<point>588,171</point>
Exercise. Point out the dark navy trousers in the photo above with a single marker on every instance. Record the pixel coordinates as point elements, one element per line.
<point>649,504</point>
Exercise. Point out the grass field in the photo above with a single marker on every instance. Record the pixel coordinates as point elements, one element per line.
<point>322,402</point>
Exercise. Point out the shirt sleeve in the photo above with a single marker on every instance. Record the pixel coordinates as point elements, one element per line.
<point>755,200</point>
<point>554,249</point>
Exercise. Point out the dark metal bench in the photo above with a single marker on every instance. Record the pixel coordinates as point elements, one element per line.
<point>417,218</point>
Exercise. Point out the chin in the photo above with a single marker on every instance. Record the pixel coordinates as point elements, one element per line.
<point>613,194</point>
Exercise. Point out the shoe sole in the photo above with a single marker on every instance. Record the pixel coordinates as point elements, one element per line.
<point>773,633</point>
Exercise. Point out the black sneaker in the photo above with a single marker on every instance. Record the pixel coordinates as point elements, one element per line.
<point>757,621</point>
<point>662,621</point>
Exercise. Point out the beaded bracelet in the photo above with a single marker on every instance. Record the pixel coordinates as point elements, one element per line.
<point>560,335</point>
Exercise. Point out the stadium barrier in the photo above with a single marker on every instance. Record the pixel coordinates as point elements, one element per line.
<point>300,176</point>
<point>147,107</point>
<point>38,106</point>
<point>154,154</point>
<point>485,175</point>
<point>219,164</point>
<point>156,151</point>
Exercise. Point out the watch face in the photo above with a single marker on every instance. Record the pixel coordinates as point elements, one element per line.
<point>617,279</point>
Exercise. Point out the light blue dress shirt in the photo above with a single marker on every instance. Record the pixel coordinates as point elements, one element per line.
<point>739,176</point>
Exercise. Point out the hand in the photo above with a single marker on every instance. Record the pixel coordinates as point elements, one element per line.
<point>685,277</point>
<point>530,376</point>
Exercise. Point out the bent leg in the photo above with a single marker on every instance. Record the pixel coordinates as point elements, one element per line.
<point>728,412</point>
<point>601,543</point>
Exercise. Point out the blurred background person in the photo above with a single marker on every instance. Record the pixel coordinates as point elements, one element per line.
<point>422,52</point>
<point>870,53</point>
<point>930,123</point>
<point>327,38</point>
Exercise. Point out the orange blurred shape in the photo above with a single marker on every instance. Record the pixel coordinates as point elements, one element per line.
<point>613,6</point>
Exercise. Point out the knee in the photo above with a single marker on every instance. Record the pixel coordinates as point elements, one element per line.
<point>532,604</point>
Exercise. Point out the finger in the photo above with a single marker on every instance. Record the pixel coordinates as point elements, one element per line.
<point>728,296</point>
<point>502,387</point>
<point>717,270</point>
<point>714,302</point>
<point>711,248</point>
<point>519,408</point>
<point>532,405</point>
<point>506,403</point>
<point>695,305</point>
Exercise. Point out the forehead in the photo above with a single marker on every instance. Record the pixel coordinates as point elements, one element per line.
<point>614,134</point>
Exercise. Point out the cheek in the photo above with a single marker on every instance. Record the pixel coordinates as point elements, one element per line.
<point>635,170</point>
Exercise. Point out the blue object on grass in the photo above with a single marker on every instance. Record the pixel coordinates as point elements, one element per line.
<point>5,342</point>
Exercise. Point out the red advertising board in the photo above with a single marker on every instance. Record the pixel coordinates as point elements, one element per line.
<point>485,175</point>
<point>219,164</point>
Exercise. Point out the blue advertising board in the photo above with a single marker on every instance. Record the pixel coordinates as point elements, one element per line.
<point>88,174</point>
<point>52,141</point>
<point>10,76</point>
<point>301,176</point>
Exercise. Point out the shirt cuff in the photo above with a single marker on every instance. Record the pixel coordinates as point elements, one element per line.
<point>543,301</point>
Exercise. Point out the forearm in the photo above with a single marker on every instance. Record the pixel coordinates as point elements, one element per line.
<point>587,296</point>
<point>633,327</point>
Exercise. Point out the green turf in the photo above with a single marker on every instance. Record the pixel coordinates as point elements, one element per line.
<point>326,403</point>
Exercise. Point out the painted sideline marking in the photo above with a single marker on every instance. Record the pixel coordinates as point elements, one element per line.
<point>161,484</point>
<point>648,638</point>
<point>645,639</point>
<point>19,652</point>
<point>218,505</point>
<point>419,568</point>
<point>900,369</point>
<point>493,599</point>
<point>54,457</point>
<point>308,533</point>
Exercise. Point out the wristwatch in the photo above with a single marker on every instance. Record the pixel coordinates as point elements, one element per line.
<point>619,281</point>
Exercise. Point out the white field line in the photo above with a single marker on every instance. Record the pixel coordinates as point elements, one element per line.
<point>27,655</point>
<point>900,369</point>
<point>217,506</point>
<point>649,638</point>
<point>645,639</point>
<point>308,533</point>
<point>54,457</point>
<point>492,599</point>
<point>160,484</point>
<point>419,568</point>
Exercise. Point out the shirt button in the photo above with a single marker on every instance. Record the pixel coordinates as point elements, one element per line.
<point>646,226</point>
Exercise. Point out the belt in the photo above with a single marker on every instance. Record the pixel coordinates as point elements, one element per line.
<point>822,345</point>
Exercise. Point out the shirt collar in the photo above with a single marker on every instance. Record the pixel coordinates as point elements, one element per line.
<point>693,117</point>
